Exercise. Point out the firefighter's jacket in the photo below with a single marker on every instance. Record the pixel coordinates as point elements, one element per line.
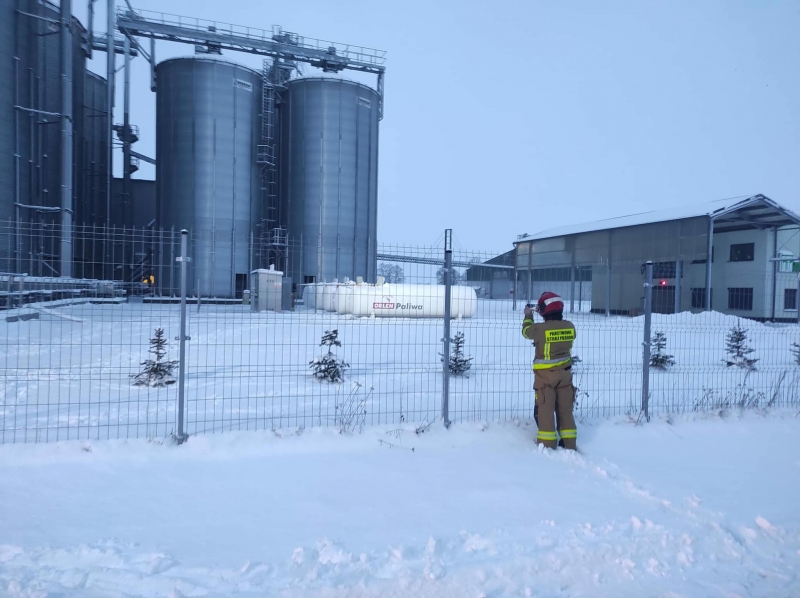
<point>553,341</point>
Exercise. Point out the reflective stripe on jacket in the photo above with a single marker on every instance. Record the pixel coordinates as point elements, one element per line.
<point>553,341</point>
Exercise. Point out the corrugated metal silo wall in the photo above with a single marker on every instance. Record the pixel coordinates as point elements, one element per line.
<point>92,153</point>
<point>208,126</point>
<point>30,67</point>
<point>91,159</point>
<point>7,26</point>
<point>329,175</point>
<point>33,38</point>
<point>142,211</point>
<point>49,69</point>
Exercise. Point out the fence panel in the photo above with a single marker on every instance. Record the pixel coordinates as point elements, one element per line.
<point>71,348</point>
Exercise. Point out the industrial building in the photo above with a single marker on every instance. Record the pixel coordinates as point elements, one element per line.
<point>263,167</point>
<point>493,279</point>
<point>739,256</point>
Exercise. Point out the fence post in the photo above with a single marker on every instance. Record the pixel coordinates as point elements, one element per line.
<point>608,278</point>
<point>572,282</point>
<point>21,291</point>
<point>648,315</point>
<point>184,260</point>
<point>514,283</point>
<point>448,281</point>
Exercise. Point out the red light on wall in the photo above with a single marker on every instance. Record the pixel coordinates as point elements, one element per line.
<point>663,283</point>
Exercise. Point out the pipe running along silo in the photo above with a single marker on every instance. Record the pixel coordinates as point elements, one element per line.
<point>208,126</point>
<point>329,179</point>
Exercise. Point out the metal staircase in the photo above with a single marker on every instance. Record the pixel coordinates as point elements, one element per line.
<point>267,153</point>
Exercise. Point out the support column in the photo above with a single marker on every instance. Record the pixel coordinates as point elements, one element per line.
<point>678,281</point>
<point>514,285</point>
<point>152,64</point>
<point>66,138</point>
<point>90,28</point>
<point>608,278</point>
<point>572,279</point>
<point>110,70</point>
<point>709,261</point>
<point>126,131</point>
<point>529,298</point>
<point>774,271</point>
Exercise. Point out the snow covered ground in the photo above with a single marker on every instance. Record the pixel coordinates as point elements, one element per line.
<point>695,506</point>
<point>68,374</point>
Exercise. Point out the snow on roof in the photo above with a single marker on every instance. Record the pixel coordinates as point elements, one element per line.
<point>695,210</point>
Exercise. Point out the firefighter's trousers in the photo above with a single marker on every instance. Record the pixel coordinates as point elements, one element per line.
<point>555,397</point>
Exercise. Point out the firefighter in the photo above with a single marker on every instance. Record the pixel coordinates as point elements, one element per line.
<point>552,371</point>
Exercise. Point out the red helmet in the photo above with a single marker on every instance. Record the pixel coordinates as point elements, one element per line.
<point>550,303</point>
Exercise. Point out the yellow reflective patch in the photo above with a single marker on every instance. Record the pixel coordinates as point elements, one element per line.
<point>569,433</point>
<point>551,365</point>
<point>562,335</point>
<point>546,435</point>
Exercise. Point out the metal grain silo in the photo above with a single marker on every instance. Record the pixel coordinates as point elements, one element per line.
<point>7,116</point>
<point>30,135</point>
<point>207,127</point>
<point>89,182</point>
<point>92,153</point>
<point>329,176</point>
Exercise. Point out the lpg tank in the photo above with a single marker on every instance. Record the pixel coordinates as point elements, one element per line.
<point>329,178</point>
<point>207,122</point>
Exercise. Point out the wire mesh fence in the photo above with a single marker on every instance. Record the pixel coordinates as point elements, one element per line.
<point>95,355</point>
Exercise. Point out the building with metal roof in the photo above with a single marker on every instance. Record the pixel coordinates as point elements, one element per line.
<point>737,256</point>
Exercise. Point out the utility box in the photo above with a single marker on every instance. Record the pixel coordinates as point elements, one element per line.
<point>266,293</point>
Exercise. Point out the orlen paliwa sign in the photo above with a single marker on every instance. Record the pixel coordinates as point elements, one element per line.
<point>388,304</point>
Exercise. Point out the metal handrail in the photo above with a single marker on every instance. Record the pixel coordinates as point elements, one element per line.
<point>359,53</point>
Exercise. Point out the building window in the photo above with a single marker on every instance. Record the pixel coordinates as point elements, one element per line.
<point>665,270</point>
<point>562,274</point>
<point>699,298</point>
<point>743,252</point>
<point>555,274</point>
<point>790,299</point>
<point>787,265</point>
<point>740,299</point>
<point>523,255</point>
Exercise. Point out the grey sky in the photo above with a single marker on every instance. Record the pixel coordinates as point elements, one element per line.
<point>507,117</point>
